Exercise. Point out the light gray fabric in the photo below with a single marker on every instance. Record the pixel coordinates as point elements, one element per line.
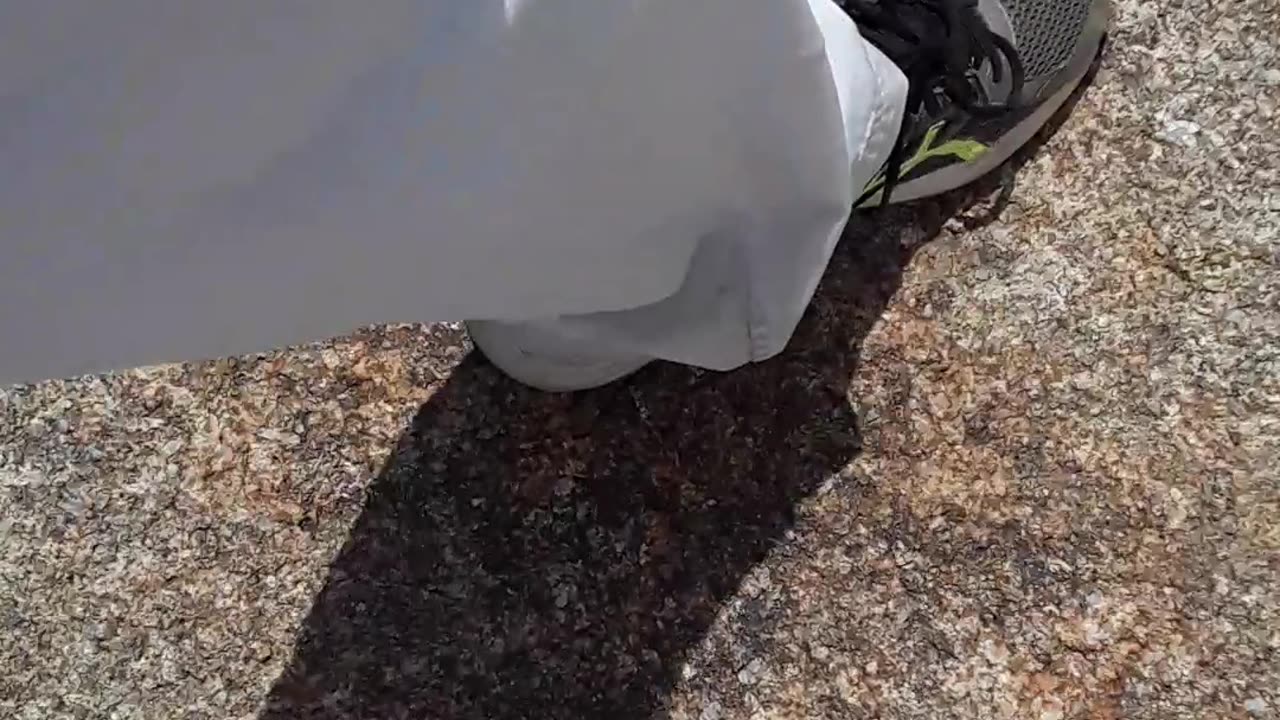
<point>183,179</point>
<point>754,273</point>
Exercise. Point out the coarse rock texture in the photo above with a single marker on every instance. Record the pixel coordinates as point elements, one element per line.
<point>1019,462</point>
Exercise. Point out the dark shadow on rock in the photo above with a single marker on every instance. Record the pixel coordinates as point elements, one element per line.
<point>545,556</point>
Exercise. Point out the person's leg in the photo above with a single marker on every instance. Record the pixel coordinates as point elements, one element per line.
<point>182,179</point>
<point>813,126</point>
<point>754,273</point>
<point>651,178</point>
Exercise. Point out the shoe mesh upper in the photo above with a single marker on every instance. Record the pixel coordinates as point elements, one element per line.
<point>1046,31</point>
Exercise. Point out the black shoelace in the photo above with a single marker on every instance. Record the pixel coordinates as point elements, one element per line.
<point>940,45</point>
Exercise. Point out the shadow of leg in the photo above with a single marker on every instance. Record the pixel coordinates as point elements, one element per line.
<point>536,555</point>
<point>553,556</point>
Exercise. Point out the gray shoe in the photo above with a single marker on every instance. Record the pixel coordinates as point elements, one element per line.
<point>983,77</point>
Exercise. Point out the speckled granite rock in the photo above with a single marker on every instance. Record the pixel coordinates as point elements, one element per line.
<point>1015,465</point>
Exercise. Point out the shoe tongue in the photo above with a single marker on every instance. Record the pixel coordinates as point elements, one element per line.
<point>997,19</point>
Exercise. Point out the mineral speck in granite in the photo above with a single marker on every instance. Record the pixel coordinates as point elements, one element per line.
<point>1019,462</point>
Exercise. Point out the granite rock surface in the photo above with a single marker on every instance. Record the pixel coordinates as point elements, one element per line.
<point>1020,461</point>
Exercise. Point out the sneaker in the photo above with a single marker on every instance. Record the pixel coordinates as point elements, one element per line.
<point>983,76</point>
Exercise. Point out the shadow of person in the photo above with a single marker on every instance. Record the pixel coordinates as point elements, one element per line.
<point>544,556</point>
